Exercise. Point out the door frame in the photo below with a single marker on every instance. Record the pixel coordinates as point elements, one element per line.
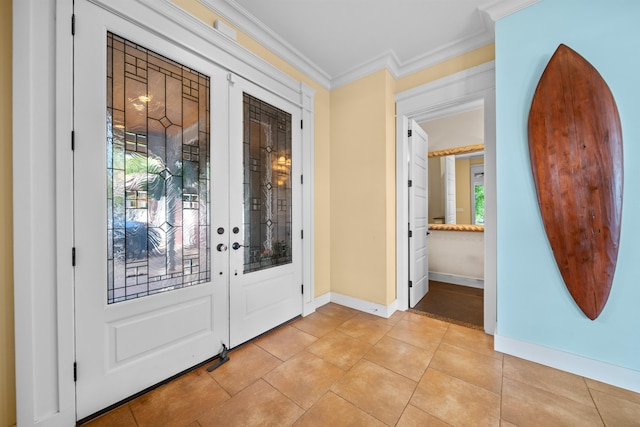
<point>43,182</point>
<point>436,99</point>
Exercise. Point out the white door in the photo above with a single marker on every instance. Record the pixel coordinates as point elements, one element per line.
<point>150,301</point>
<point>164,173</point>
<point>418,217</point>
<point>265,211</point>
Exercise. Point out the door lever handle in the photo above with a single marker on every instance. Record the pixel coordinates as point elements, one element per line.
<point>237,246</point>
<point>221,247</point>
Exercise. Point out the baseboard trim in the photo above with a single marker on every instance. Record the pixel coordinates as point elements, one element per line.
<point>322,300</point>
<point>618,376</point>
<point>457,280</point>
<point>357,304</point>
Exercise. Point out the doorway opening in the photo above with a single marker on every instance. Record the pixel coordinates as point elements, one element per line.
<point>449,95</point>
<point>455,198</point>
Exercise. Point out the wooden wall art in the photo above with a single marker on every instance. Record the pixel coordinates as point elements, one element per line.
<point>575,145</point>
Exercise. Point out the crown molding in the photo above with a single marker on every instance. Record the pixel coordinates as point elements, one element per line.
<point>501,8</point>
<point>239,17</point>
<point>243,20</point>
<point>387,60</point>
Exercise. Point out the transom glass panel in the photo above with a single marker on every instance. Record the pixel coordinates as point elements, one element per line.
<point>267,185</point>
<point>158,212</point>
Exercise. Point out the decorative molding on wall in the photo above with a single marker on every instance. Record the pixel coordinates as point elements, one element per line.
<point>239,17</point>
<point>401,69</point>
<point>226,52</point>
<point>600,371</point>
<point>472,282</point>
<point>499,9</point>
<point>357,304</point>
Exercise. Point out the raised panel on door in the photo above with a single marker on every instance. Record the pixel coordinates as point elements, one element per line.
<point>150,300</point>
<point>418,216</point>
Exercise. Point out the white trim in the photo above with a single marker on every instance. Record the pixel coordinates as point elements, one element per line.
<point>443,84</point>
<point>210,44</point>
<point>308,274</point>
<point>238,16</point>
<point>384,311</point>
<point>456,91</point>
<point>595,369</point>
<point>471,282</point>
<point>43,277</point>
<point>387,60</point>
<point>499,9</point>
<point>322,300</point>
<point>225,29</point>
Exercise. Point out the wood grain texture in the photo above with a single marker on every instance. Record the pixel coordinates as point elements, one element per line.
<point>575,145</point>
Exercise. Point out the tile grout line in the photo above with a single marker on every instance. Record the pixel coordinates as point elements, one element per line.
<point>594,401</point>
<point>422,376</point>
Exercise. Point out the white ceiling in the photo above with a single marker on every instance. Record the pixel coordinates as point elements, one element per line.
<point>337,41</point>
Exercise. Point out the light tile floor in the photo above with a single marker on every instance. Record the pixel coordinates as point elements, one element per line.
<point>341,367</point>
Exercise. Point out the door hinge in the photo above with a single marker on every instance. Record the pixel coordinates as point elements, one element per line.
<point>73,24</point>
<point>302,234</point>
<point>410,284</point>
<point>75,372</point>
<point>73,257</point>
<point>73,140</point>
<point>301,179</point>
<point>302,289</point>
<point>410,183</point>
<point>409,133</point>
<point>410,233</point>
<point>301,124</point>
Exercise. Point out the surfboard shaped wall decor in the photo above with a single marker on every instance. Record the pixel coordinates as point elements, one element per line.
<point>575,146</point>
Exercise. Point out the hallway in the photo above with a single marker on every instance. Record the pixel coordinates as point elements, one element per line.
<point>339,366</point>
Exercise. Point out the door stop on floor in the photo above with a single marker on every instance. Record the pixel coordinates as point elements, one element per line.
<point>222,359</point>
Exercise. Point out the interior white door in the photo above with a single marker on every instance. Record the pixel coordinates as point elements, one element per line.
<point>418,217</point>
<point>150,288</point>
<point>265,210</point>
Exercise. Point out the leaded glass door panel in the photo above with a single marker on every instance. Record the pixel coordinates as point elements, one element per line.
<point>151,290</point>
<point>265,211</point>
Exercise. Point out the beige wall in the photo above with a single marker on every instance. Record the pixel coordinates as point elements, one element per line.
<point>7,360</point>
<point>362,189</point>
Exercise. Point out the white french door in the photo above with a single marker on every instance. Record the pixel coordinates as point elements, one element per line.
<point>418,217</point>
<point>265,212</point>
<point>168,173</point>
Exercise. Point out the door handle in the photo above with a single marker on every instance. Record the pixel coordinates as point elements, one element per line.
<point>237,246</point>
<point>221,247</point>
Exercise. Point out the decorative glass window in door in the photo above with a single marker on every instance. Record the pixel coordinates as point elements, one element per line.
<point>267,185</point>
<point>158,209</point>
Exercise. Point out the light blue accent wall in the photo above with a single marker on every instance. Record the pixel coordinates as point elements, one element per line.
<point>533,303</point>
